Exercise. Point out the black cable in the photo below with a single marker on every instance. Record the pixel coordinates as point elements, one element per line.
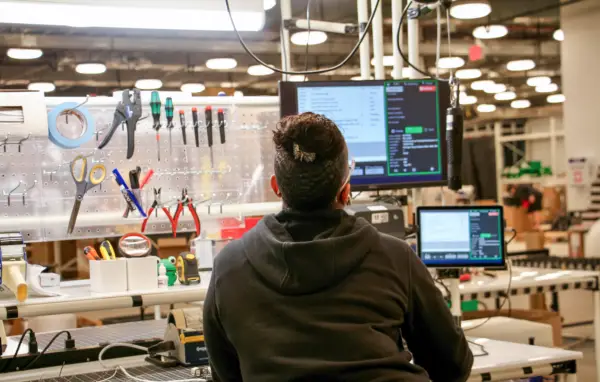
<point>18,348</point>
<point>448,294</point>
<point>307,38</point>
<point>514,231</point>
<point>317,71</point>
<point>30,364</point>
<point>483,353</point>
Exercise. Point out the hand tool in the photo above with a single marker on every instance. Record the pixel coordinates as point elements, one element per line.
<point>182,121</point>
<point>155,205</point>
<point>186,201</point>
<point>187,269</point>
<point>134,182</point>
<point>91,253</point>
<point>128,112</point>
<point>127,192</point>
<point>130,206</point>
<point>169,113</point>
<point>83,182</point>
<point>221,120</point>
<point>146,178</point>
<point>155,106</point>
<point>209,133</point>
<point>107,251</point>
<point>196,125</point>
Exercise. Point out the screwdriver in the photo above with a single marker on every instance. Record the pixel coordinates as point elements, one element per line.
<point>208,116</point>
<point>155,107</point>
<point>182,121</point>
<point>169,113</point>
<point>221,120</point>
<point>196,125</point>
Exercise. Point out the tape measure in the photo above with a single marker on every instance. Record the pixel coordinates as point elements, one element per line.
<point>82,114</point>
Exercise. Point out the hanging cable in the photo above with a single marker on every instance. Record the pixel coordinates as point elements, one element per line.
<point>308,4</point>
<point>316,71</point>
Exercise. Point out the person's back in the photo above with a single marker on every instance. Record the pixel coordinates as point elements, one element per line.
<point>312,294</point>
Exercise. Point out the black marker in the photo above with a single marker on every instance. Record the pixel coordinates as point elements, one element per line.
<point>221,120</point>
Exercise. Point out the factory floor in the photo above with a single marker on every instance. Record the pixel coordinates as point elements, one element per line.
<point>586,368</point>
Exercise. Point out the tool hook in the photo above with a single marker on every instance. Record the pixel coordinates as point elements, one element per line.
<point>70,111</point>
<point>5,142</point>
<point>23,140</point>
<point>11,192</point>
<point>24,194</point>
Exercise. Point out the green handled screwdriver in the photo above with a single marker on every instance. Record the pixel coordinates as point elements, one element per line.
<point>169,112</point>
<point>155,107</point>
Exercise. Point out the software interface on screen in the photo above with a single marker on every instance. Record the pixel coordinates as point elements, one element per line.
<point>466,237</point>
<point>392,128</point>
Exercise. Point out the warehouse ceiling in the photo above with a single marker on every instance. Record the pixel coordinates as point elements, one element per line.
<point>177,57</point>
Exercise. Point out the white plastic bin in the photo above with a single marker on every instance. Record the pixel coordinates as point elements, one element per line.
<point>142,273</point>
<point>108,276</point>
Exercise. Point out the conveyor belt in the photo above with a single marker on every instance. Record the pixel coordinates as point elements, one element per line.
<point>150,372</point>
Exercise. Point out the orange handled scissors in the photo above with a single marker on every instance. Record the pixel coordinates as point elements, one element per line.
<point>84,183</point>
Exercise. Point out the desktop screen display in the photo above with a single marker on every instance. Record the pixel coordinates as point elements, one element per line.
<point>456,237</point>
<point>395,130</point>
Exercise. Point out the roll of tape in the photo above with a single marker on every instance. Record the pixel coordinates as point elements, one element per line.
<point>82,113</point>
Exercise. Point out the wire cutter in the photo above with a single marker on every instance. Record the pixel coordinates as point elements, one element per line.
<point>155,205</point>
<point>128,112</point>
<point>186,201</point>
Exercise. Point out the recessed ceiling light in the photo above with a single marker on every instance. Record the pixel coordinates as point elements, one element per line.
<point>495,88</point>
<point>556,98</point>
<point>550,88</point>
<point>471,9</point>
<point>259,70</point>
<point>268,4</point>
<point>45,87</point>
<point>490,31</point>
<point>221,63</point>
<point>539,81</point>
<point>559,35</point>
<point>229,84</point>
<point>520,104</point>
<point>451,62</point>
<point>482,84</point>
<point>520,65</point>
<point>468,74</point>
<point>303,38</point>
<point>238,93</point>
<point>505,96</point>
<point>90,68</point>
<point>297,78</point>
<point>193,88</point>
<point>468,100</point>
<point>148,84</point>
<point>486,108</point>
<point>24,54</point>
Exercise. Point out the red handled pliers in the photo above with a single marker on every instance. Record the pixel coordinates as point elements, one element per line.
<point>157,204</point>
<point>186,201</point>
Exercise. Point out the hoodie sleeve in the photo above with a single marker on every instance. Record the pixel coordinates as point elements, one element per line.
<point>436,343</point>
<point>223,357</point>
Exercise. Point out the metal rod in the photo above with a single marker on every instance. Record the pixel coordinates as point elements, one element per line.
<point>396,14</point>
<point>286,56</point>
<point>413,44</point>
<point>377,28</point>
<point>365,49</point>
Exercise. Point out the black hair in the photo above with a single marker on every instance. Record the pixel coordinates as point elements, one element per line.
<point>311,161</point>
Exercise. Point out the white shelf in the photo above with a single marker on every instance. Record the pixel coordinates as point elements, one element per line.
<point>530,137</point>
<point>547,181</point>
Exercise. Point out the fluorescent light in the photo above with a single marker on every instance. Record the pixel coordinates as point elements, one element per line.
<point>193,88</point>
<point>471,9</point>
<point>520,104</point>
<point>482,84</point>
<point>305,38</point>
<point>221,63</point>
<point>238,93</point>
<point>556,98</point>
<point>148,84</point>
<point>24,54</point>
<point>495,88</point>
<point>539,81</point>
<point>468,74</point>
<point>198,15</point>
<point>297,78</point>
<point>451,62</point>
<point>45,87</point>
<point>468,100</point>
<point>90,68</point>
<point>505,96</point>
<point>490,31</point>
<point>486,108</point>
<point>259,70</point>
<point>229,84</point>
<point>559,35</point>
<point>268,4</point>
<point>550,88</point>
<point>520,65</point>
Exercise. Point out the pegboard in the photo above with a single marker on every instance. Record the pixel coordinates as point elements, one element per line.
<point>232,178</point>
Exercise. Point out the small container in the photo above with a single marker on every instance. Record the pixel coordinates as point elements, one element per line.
<point>163,280</point>
<point>108,276</point>
<point>141,273</point>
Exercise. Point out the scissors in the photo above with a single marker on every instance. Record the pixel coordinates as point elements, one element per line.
<point>128,112</point>
<point>84,183</point>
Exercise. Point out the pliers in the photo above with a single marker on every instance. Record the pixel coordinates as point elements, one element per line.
<point>157,204</point>
<point>128,112</point>
<point>186,201</point>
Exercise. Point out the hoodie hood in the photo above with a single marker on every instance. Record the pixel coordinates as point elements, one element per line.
<point>293,267</point>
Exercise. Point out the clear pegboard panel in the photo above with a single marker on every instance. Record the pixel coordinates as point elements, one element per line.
<point>227,180</point>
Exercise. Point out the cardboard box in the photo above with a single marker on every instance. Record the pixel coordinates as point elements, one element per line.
<point>172,246</point>
<point>534,240</point>
<point>517,218</point>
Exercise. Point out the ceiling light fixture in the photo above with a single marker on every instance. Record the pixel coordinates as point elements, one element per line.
<point>471,9</point>
<point>259,70</point>
<point>45,87</point>
<point>486,108</point>
<point>148,84</point>
<point>495,88</point>
<point>556,98</point>
<point>468,74</point>
<point>193,88</point>
<point>468,100</point>
<point>505,96</point>
<point>229,84</point>
<point>520,65</point>
<point>490,31</point>
<point>520,104</point>
<point>539,81</point>
<point>450,62</point>
<point>24,54</point>
<point>268,4</point>
<point>550,88</point>
<point>559,35</point>
<point>221,63</point>
<point>91,68</point>
<point>482,84</point>
<point>305,38</point>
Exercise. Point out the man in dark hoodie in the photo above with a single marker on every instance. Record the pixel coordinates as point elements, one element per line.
<point>313,294</point>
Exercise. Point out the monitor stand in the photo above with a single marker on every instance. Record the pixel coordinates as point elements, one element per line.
<point>452,276</point>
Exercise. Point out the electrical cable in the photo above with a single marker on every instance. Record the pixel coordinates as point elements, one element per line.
<point>48,347</point>
<point>316,71</point>
<point>481,347</point>
<point>438,44</point>
<point>31,335</point>
<point>308,4</point>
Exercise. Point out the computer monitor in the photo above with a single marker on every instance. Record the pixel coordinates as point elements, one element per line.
<point>461,237</point>
<point>395,130</point>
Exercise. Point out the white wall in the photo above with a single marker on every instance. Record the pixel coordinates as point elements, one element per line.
<point>540,149</point>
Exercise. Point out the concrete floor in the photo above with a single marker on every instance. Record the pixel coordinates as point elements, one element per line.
<point>586,368</point>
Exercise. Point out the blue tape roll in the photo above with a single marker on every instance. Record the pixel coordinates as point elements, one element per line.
<point>66,143</point>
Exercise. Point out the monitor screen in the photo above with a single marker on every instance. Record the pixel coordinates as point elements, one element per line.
<point>395,130</point>
<point>465,236</point>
